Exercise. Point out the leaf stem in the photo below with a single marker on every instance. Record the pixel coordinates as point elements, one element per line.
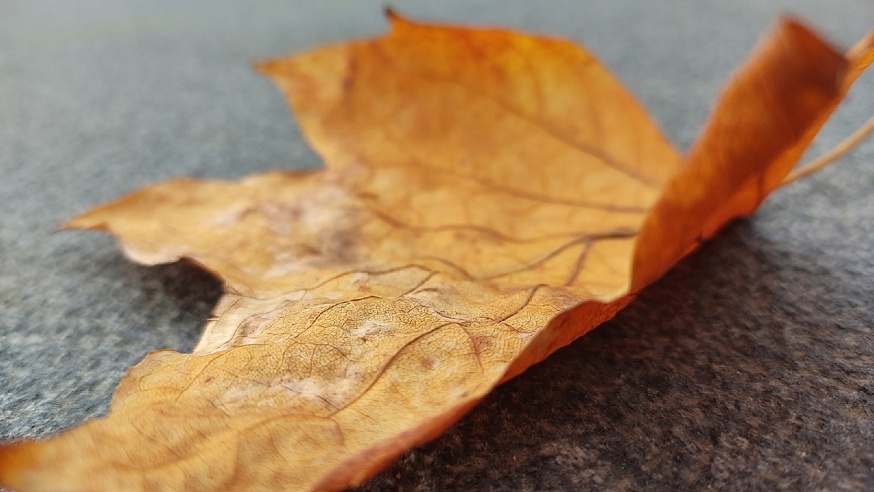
<point>832,155</point>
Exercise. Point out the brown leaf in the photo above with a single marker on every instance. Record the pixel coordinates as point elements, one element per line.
<point>489,197</point>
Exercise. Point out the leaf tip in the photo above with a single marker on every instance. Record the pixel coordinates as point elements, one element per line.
<point>394,18</point>
<point>810,44</point>
<point>266,68</point>
<point>390,12</point>
<point>84,221</point>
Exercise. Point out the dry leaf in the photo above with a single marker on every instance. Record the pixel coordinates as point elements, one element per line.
<point>489,198</point>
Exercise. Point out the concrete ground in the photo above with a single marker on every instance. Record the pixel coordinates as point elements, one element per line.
<point>750,366</point>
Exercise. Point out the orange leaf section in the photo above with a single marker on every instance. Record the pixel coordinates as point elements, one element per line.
<point>770,113</point>
<point>483,197</point>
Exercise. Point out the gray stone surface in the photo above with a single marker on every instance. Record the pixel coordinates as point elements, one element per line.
<point>750,366</point>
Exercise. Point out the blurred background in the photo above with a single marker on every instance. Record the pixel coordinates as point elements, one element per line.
<point>749,366</point>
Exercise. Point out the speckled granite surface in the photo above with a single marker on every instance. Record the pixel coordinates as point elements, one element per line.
<point>750,366</point>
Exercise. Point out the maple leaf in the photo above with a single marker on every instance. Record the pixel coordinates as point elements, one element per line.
<point>488,198</point>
